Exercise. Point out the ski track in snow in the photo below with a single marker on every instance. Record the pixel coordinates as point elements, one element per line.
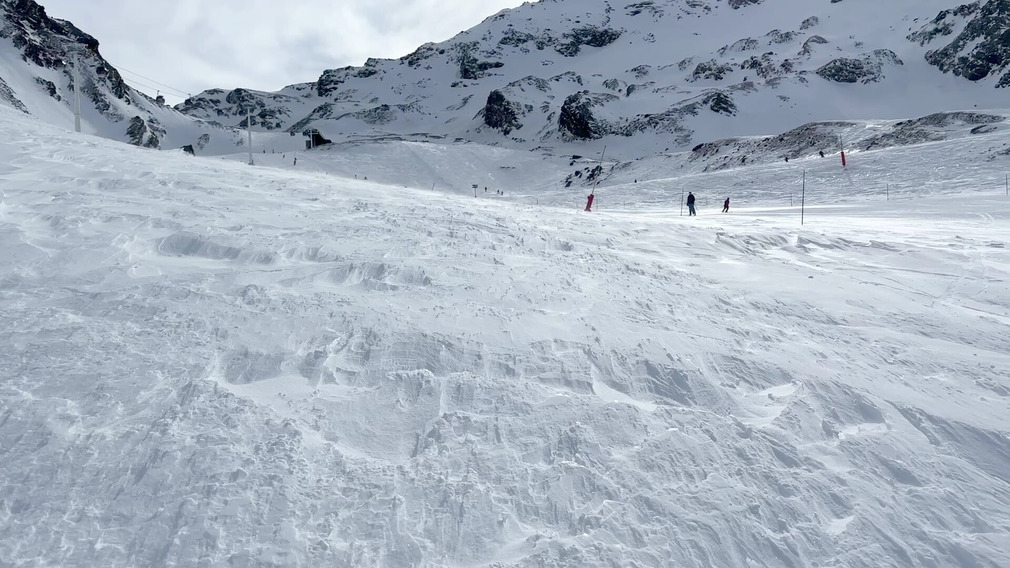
<point>208,364</point>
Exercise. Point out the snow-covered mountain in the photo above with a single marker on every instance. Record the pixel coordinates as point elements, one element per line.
<point>37,56</point>
<point>654,75</point>
<point>558,75</point>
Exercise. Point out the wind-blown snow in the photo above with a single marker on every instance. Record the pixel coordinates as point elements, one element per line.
<point>209,364</point>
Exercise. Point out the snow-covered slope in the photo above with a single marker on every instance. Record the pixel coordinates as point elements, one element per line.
<point>314,370</point>
<point>655,75</point>
<point>37,55</point>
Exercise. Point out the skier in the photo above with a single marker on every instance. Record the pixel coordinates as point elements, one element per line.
<point>589,203</point>
<point>296,161</point>
<point>690,205</point>
<point>821,153</point>
<point>725,206</point>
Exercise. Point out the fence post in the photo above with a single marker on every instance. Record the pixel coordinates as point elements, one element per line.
<point>803,201</point>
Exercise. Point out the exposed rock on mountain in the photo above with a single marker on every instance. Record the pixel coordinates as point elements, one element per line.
<point>868,68</point>
<point>39,55</point>
<point>980,50</point>
<point>659,74</point>
<point>501,114</point>
<point>587,35</point>
<point>7,94</point>
<point>932,128</point>
<point>141,135</point>
<point>577,122</point>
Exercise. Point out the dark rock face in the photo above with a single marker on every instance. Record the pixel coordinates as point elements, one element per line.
<point>501,114</point>
<point>140,135</point>
<point>470,67</point>
<point>867,69</point>
<point>981,50</point>
<point>49,87</point>
<point>420,55</point>
<point>7,94</point>
<point>268,110</point>
<point>765,67</point>
<point>721,103</point>
<point>330,80</point>
<point>31,30</point>
<point>587,35</point>
<point>577,121</point>
<point>808,46</point>
<point>49,43</point>
<point>647,6</point>
<point>711,70</point>
<point>516,39</point>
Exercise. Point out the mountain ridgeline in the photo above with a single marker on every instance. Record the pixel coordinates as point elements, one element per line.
<point>38,55</point>
<point>644,77</point>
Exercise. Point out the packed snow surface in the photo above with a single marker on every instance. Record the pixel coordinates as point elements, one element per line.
<point>204,363</point>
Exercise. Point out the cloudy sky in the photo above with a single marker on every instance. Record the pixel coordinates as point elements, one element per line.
<point>193,45</point>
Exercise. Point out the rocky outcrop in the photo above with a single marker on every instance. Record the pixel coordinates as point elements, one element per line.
<point>269,111</point>
<point>807,140</point>
<point>51,43</point>
<point>577,122</point>
<point>711,70</point>
<point>140,134</point>
<point>866,69</point>
<point>981,50</point>
<point>501,114</point>
<point>470,67</point>
<point>767,68</point>
<point>931,128</point>
<point>808,46</point>
<point>586,35</point>
<point>7,95</point>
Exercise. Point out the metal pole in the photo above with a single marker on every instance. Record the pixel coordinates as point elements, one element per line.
<point>77,93</point>
<point>248,124</point>
<point>682,202</point>
<point>803,201</point>
<point>1008,184</point>
<point>599,175</point>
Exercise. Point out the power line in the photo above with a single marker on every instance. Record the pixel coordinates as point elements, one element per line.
<point>134,82</point>
<point>178,92</point>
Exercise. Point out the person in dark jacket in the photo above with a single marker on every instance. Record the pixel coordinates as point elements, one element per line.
<point>725,206</point>
<point>690,205</point>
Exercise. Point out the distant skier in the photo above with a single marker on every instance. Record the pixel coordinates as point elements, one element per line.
<point>589,203</point>
<point>821,153</point>
<point>725,206</point>
<point>690,205</point>
<point>296,161</point>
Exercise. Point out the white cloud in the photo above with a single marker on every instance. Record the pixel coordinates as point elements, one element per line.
<point>192,45</point>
